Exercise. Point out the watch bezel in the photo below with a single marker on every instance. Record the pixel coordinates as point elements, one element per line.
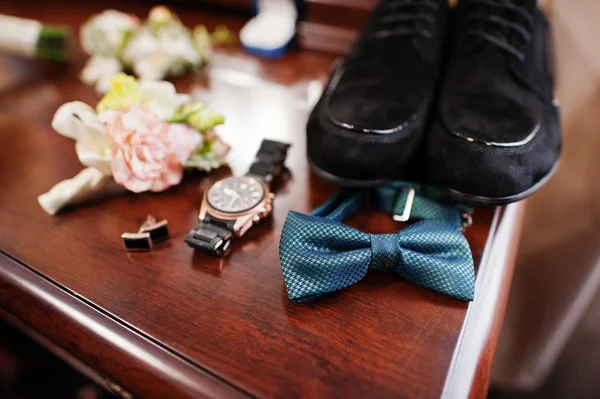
<point>260,183</point>
<point>261,207</point>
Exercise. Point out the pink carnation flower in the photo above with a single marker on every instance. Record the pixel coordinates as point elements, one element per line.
<point>147,152</point>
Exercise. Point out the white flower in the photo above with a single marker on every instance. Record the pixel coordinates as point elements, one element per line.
<point>79,122</point>
<point>98,71</point>
<point>170,50</point>
<point>160,15</point>
<point>143,54</point>
<point>162,98</point>
<point>107,33</point>
<point>178,43</point>
<point>202,42</point>
<point>159,47</point>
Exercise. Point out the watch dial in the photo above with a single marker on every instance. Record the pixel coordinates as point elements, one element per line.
<point>235,194</point>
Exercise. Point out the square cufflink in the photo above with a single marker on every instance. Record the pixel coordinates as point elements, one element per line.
<point>150,232</point>
<point>137,242</point>
<point>158,230</point>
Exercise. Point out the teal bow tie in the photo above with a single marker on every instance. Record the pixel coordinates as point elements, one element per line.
<point>319,254</point>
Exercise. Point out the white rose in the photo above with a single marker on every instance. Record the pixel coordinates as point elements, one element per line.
<point>79,122</point>
<point>178,43</point>
<point>106,33</point>
<point>162,98</point>
<point>98,71</point>
<point>153,56</point>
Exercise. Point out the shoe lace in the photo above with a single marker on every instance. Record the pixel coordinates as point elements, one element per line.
<point>488,29</point>
<point>403,17</point>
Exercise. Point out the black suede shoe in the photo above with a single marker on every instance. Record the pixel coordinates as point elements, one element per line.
<point>496,137</point>
<point>371,117</point>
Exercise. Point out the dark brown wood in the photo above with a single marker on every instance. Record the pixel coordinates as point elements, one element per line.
<point>218,319</point>
<point>332,25</point>
<point>107,345</point>
<point>238,4</point>
<point>508,249</point>
<point>321,37</point>
<point>470,370</point>
<point>345,14</point>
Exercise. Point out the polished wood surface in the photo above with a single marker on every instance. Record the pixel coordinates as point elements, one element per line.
<point>186,323</point>
<point>332,25</point>
<point>470,369</point>
<point>117,350</point>
<point>502,261</point>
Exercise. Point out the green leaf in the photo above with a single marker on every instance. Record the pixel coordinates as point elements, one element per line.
<point>205,159</point>
<point>198,116</point>
<point>205,119</point>
<point>181,115</point>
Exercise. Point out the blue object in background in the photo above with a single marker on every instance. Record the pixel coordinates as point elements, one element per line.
<point>271,32</point>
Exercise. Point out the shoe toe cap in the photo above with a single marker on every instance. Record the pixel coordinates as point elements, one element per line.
<point>373,97</point>
<point>475,169</point>
<point>489,173</point>
<point>356,155</point>
<point>372,108</point>
<point>495,121</point>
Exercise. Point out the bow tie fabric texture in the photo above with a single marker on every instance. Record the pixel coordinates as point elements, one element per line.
<point>320,255</point>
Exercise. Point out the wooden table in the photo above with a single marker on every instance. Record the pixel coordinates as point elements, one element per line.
<point>178,324</point>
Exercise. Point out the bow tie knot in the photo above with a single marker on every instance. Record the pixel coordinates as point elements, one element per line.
<point>385,252</point>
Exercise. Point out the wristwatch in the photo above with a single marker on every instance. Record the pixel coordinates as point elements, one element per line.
<point>232,205</point>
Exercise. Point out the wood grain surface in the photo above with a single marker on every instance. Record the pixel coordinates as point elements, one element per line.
<point>229,319</point>
<point>332,25</point>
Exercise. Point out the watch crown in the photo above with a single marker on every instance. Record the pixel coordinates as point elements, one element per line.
<point>264,212</point>
<point>271,196</point>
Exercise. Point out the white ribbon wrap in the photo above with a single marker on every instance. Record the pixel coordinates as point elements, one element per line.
<point>79,122</point>
<point>18,35</point>
<point>87,185</point>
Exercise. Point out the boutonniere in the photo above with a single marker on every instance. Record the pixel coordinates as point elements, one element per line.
<point>34,39</point>
<point>153,49</point>
<point>140,138</point>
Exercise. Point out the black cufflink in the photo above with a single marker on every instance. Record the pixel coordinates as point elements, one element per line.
<point>137,242</point>
<point>150,232</point>
<point>158,230</point>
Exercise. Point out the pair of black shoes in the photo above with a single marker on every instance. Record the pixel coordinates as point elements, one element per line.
<point>459,98</point>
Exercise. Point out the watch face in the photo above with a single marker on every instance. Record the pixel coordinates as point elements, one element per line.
<point>235,194</point>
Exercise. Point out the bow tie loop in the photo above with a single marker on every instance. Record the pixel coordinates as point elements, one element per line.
<point>385,251</point>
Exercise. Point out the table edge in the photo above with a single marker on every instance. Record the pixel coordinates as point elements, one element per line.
<point>470,370</point>
<point>121,355</point>
<point>474,351</point>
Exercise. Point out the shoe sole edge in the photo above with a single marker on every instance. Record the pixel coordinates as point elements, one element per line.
<point>486,201</point>
<point>342,181</point>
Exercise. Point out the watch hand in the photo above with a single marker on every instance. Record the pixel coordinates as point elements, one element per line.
<point>231,192</point>
<point>231,202</point>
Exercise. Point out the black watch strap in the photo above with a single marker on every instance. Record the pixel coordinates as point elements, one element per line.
<point>269,160</point>
<point>211,235</point>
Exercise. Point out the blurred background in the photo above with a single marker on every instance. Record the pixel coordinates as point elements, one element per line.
<point>550,342</point>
